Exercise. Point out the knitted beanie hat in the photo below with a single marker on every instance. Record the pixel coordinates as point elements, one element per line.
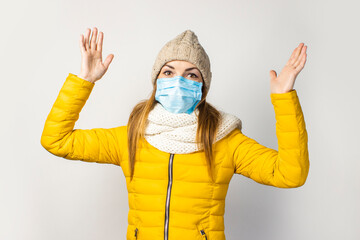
<point>186,47</point>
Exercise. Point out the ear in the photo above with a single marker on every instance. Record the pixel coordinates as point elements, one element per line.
<point>204,91</point>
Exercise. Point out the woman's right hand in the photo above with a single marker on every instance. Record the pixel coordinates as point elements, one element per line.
<point>92,67</point>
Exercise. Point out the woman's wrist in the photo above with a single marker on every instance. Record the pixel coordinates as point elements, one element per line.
<point>86,78</point>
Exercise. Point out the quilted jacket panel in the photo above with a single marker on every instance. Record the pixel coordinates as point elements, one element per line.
<point>171,196</point>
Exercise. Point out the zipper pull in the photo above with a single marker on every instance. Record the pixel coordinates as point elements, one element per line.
<point>203,234</point>
<point>136,230</point>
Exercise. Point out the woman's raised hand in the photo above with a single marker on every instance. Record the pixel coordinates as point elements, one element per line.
<point>92,67</point>
<point>286,79</point>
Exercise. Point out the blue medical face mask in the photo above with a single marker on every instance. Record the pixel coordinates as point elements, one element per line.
<point>178,94</point>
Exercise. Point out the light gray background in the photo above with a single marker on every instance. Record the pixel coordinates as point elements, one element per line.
<point>46,197</point>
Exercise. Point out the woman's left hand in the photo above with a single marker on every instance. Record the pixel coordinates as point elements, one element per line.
<point>286,79</point>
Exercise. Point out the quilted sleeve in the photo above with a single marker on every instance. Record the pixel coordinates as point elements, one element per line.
<point>61,139</point>
<point>289,166</point>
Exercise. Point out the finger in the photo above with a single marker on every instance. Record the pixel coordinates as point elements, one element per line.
<point>93,38</point>
<point>302,63</point>
<point>91,46</point>
<point>87,34</point>
<point>100,42</point>
<point>296,53</point>
<point>81,43</point>
<point>300,57</point>
<point>273,74</point>
<point>108,60</point>
<point>292,56</point>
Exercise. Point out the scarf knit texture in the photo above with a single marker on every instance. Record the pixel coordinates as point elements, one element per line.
<point>176,132</point>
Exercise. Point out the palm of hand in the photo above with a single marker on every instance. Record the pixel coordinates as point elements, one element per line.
<point>286,79</point>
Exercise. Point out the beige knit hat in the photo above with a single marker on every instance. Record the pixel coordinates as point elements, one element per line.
<point>185,46</point>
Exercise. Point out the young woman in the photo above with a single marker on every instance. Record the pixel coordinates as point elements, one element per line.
<point>177,152</point>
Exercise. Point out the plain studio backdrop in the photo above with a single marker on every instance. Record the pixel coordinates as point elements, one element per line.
<point>47,197</point>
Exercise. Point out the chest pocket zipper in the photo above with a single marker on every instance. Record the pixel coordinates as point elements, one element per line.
<point>203,235</point>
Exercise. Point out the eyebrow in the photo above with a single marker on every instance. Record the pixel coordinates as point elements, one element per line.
<point>188,69</point>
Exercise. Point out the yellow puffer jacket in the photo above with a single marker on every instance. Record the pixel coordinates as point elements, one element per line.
<point>171,196</point>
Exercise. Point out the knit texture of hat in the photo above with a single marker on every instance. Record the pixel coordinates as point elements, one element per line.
<point>186,47</point>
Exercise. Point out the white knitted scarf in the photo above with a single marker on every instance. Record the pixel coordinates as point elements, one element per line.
<point>176,132</point>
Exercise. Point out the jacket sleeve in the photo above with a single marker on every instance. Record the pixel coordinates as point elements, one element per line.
<point>61,139</point>
<point>289,166</point>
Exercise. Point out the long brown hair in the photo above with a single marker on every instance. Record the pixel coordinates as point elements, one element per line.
<point>208,123</point>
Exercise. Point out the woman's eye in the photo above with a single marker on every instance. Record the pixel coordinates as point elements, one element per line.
<point>167,72</point>
<point>194,75</point>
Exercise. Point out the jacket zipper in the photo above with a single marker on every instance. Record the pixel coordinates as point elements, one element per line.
<point>202,232</point>
<point>167,204</point>
<point>136,232</point>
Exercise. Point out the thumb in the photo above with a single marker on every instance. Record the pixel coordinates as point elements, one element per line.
<point>273,75</point>
<point>108,60</point>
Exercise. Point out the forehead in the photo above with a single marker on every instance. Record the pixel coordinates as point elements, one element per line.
<point>179,64</point>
